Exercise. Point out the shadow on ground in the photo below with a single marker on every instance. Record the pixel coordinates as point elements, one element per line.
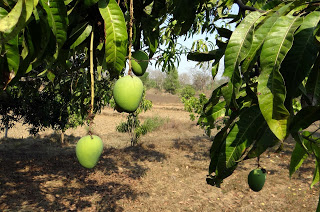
<point>38,174</point>
<point>197,147</point>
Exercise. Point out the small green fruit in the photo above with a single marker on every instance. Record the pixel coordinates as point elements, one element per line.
<point>140,64</point>
<point>88,150</point>
<point>127,93</point>
<point>256,179</point>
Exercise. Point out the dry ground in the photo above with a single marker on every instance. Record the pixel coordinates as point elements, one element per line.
<point>166,172</point>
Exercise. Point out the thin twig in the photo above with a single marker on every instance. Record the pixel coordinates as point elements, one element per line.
<point>91,73</point>
<point>130,36</point>
<point>310,139</point>
<point>90,117</point>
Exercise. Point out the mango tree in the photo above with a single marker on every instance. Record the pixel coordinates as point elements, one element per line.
<point>272,62</point>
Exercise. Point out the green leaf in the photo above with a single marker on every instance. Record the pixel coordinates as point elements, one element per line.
<point>301,57</point>
<point>27,9</point>
<point>266,140</point>
<point>58,21</point>
<point>215,148</point>
<point>217,111</point>
<point>12,54</point>
<point>41,34</point>
<point>304,118</point>
<point>241,135</point>
<point>51,75</point>
<point>298,155</point>
<point>261,33</point>
<point>206,56</point>
<point>11,20</point>
<point>271,89</point>
<point>237,49</point>
<point>313,83</point>
<point>83,36</point>
<point>28,53</point>
<point>316,176</point>
<point>116,35</point>
<point>213,114</point>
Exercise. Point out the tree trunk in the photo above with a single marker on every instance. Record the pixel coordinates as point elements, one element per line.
<point>6,131</point>
<point>62,137</point>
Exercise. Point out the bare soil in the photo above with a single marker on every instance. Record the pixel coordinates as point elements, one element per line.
<point>165,172</point>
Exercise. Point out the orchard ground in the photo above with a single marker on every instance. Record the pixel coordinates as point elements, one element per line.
<point>165,172</point>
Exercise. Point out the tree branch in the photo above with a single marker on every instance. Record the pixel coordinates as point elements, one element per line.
<point>242,6</point>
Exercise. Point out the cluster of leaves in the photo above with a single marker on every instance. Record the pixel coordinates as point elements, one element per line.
<point>44,62</point>
<point>58,105</point>
<point>271,58</point>
<point>187,92</point>
<point>132,125</point>
<point>194,105</point>
<point>206,120</point>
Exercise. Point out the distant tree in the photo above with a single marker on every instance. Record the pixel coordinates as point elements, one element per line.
<point>145,78</point>
<point>171,83</point>
<point>185,79</point>
<point>201,78</point>
<point>157,77</point>
<point>187,92</point>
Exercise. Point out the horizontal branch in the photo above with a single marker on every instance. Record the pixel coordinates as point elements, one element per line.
<point>246,7</point>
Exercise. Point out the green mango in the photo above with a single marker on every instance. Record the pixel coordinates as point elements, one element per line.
<point>140,62</point>
<point>127,93</point>
<point>88,150</point>
<point>256,179</point>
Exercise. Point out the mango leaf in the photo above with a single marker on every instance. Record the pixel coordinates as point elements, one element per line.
<point>152,40</point>
<point>12,18</point>
<point>75,33</point>
<point>27,9</point>
<point>28,53</point>
<point>223,32</point>
<point>266,140</point>
<point>241,135</point>
<point>261,33</point>
<point>316,176</point>
<point>218,141</point>
<point>301,57</point>
<point>82,36</point>
<point>12,54</point>
<point>214,70</point>
<point>313,83</point>
<point>116,35</point>
<point>58,21</point>
<point>271,89</point>
<point>298,155</point>
<point>304,118</point>
<point>213,114</point>
<point>50,76</point>
<point>206,56</point>
<point>237,49</point>
<point>215,148</point>
<point>41,34</point>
